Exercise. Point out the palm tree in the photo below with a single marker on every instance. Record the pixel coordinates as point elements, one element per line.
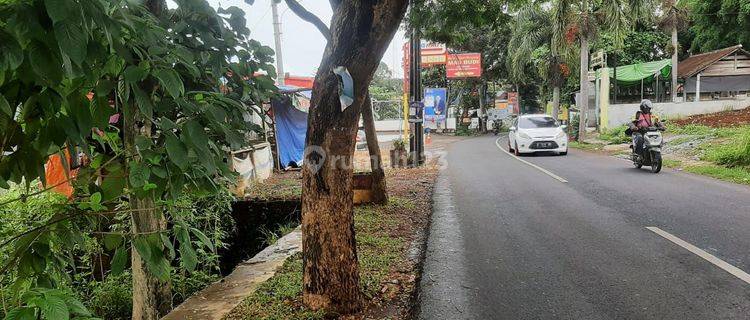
<point>531,32</point>
<point>582,19</point>
<point>674,17</point>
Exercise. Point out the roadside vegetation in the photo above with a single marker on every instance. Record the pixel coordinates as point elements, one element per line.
<point>715,145</point>
<point>384,234</point>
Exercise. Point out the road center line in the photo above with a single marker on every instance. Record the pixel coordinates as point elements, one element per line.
<point>737,272</point>
<point>545,171</point>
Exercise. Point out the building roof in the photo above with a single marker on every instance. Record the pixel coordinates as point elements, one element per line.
<point>697,63</point>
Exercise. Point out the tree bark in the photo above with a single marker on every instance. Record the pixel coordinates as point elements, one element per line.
<point>360,34</point>
<point>584,101</point>
<point>379,191</point>
<point>675,62</point>
<point>555,102</point>
<point>152,298</point>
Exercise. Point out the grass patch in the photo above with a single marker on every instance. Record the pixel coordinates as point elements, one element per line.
<point>380,253</point>
<point>276,188</point>
<point>585,146</point>
<point>733,153</point>
<point>671,163</point>
<point>736,175</point>
<point>279,298</point>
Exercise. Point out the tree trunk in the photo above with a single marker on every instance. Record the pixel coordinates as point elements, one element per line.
<point>584,101</point>
<point>152,298</point>
<point>675,62</point>
<point>555,102</point>
<point>380,194</point>
<point>360,34</point>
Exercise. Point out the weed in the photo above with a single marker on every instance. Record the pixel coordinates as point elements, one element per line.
<point>615,135</point>
<point>736,175</point>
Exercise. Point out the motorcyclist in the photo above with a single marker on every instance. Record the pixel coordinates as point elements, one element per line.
<point>644,119</point>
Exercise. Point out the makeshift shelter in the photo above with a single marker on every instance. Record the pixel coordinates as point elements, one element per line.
<point>724,73</point>
<point>641,80</point>
<point>290,119</point>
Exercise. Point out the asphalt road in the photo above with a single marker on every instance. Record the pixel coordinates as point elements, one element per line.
<point>509,241</point>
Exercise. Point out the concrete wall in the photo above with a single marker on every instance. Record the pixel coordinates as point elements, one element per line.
<point>623,113</point>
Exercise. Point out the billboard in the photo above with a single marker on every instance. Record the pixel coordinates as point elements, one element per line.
<point>464,65</point>
<point>435,100</point>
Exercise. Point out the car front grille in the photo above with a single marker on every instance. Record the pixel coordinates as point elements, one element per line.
<point>543,145</point>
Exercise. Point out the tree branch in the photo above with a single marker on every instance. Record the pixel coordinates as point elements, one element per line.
<point>308,16</point>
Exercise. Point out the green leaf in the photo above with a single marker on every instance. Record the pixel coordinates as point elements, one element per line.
<point>159,172</point>
<point>58,10</point>
<point>73,40</point>
<point>54,307</point>
<point>171,81</point>
<point>177,151</point>
<point>76,307</point>
<point>113,241</point>
<point>188,257</point>
<point>46,65</point>
<point>112,186</point>
<point>139,174</point>
<point>135,73</point>
<point>203,238</point>
<point>22,313</point>
<point>150,248</point>
<point>119,261</point>
<point>96,198</point>
<point>5,106</point>
<point>144,102</point>
<point>149,186</point>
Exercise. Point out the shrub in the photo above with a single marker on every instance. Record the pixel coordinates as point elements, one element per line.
<point>112,298</point>
<point>615,135</point>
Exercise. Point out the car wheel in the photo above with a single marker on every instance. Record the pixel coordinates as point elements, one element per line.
<point>564,153</point>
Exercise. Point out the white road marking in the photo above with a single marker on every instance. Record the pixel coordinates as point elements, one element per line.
<point>545,171</point>
<point>737,272</point>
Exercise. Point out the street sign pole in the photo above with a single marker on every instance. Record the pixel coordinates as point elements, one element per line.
<point>416,145</point>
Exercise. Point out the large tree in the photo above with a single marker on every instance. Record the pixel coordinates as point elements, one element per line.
<point>359,34</point>
<point>582,20</point>
<point>719,24</point>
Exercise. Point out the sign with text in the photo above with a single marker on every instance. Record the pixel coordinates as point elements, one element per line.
<point>464,65</point>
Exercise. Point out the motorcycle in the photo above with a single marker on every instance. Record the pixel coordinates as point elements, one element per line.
<point>651,155</point>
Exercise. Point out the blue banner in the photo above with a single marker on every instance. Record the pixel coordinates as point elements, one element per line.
<point>435,104</point>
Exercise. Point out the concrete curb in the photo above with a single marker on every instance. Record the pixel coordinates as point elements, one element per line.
<point>221,297</point>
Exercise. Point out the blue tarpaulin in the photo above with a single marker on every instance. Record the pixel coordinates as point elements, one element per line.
<point>291,126</point>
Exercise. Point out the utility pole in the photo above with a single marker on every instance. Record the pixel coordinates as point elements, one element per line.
<point>416,145</point>
<point>277,42</point>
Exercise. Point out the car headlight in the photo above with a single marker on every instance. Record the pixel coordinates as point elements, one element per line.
<point>524,135</point>
<point>561,135</point>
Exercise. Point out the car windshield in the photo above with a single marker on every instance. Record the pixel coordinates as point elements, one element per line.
<point>537,122</point>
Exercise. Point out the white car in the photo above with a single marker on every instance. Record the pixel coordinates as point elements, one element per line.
<point>537,133</point>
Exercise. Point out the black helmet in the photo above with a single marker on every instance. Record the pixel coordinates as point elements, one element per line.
<point>646,106</point>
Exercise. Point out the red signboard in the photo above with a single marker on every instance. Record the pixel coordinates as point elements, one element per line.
<point>464,65</point>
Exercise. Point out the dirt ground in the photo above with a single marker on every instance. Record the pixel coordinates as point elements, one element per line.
<point>721,119</point>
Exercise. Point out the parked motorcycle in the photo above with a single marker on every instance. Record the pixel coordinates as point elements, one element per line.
<point>651,155</point>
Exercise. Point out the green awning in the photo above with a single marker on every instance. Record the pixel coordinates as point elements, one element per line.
<point>633,74</point>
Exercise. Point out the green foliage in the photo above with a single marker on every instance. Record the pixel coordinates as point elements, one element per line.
<point>182,83</point>
<point>736,153</point>
<point>615,135</point>
<point>736,175</point>
<point>112,298</point>
<point>719,24</point>
<point>638,46</point>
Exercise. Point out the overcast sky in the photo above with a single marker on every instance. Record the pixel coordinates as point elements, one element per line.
<point>302,44</point>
